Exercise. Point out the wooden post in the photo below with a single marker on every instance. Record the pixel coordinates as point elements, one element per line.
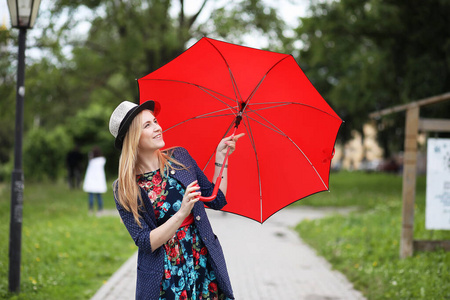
<point>407,243</point>
<point>409,181</point>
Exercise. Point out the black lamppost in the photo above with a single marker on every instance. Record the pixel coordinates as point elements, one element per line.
<point>23,14</point>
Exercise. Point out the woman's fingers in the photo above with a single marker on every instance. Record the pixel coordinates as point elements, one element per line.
<point>236,137</point>
<point>192,192</point>
<point>232,141</point>
<point>192,186</point>
<point>194,197</point>
<point>229,141</point>
<point>191,196</point>
<point>195,182</point>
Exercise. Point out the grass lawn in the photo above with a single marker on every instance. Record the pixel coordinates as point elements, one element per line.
<point>365,245</point>
<point>66,254</point>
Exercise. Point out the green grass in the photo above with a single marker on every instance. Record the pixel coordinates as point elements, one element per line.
<point>66,254</point>
<point>364,190</point>
<point>365,244</point>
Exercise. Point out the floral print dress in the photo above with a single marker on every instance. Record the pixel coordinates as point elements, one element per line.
<point>187,272</point>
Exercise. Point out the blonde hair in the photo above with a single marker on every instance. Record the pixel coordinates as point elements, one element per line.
<point>127,188</point>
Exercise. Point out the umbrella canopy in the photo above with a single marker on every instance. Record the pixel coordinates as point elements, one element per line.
<point>290,129</point>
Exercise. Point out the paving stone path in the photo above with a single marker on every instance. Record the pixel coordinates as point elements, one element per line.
<point>265,262</point>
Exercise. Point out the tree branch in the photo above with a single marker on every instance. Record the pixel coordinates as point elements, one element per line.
<point>194,17</point>
<point>181,15</point>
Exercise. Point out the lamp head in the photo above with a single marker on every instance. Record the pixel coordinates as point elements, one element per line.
<point>23,12</point>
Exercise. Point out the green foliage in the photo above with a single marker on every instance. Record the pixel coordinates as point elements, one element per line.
<point>6,170</point>
<point>45,150</point>
<point>48,100</point>
<point>89,128</point>
<point>66,254</point>
<point>6,128</point>
<point>79,79</point>
<point>45,153</point>
<point>365,244</point>
<point>8,96</point>
<point>367,55</point>
<point>248,18</point>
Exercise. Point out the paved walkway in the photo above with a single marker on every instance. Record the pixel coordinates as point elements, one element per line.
<point>265,262</point>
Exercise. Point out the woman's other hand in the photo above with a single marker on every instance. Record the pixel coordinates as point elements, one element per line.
<point>161,234</point>
<point>191,196</point>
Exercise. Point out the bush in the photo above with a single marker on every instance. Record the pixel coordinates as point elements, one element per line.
<point>90,127</point>
<point>44,153</point>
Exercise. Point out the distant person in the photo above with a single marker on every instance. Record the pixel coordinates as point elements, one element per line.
<point>95,179</point>
<point>73,160</point>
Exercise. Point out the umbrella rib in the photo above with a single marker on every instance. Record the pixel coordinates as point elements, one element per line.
<point>208,91</point>
<point>203,88</point>
<point>314,168</point>
<point>233,80</point>
<point>280,104</point>
<point>274,128</point>
<point>204,116</point>
<point>237,93</point>
<point>252,140</point>
<point>256,88</point>
<point>264,77</point>
<point>277,130</point>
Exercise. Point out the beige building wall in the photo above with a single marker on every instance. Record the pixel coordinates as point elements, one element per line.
<point>361,149</point>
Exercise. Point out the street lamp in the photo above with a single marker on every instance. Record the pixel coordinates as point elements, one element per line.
<point>23,15</point>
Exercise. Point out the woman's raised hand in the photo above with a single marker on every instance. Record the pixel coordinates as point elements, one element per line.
<point>229,141</point>
<point>191,196</point>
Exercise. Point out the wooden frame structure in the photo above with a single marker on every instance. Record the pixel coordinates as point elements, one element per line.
<point>412,126</point>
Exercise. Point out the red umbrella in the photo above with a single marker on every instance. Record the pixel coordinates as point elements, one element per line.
<point>290,129</point>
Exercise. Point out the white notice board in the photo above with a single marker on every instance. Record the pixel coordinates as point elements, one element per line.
<point>438,184</point>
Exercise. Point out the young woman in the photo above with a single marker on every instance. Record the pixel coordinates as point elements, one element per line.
<point>156,194</point>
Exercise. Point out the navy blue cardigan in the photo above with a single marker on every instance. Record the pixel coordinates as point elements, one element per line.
<point>150,268</point>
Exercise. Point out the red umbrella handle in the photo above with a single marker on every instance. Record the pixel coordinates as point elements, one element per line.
<point>219,179</point>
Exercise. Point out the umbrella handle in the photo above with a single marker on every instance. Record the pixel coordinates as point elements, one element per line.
<point>219,179</point>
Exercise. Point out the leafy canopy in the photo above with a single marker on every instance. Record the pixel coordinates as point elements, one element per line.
<point>365,55</point>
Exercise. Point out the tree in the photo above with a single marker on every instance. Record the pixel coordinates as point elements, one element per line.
<point>133,38</point>
<point>7,103</point>
<point>365,55</point>
<point>126,40</point>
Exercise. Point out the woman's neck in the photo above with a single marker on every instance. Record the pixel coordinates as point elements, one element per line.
<point>148,162</point>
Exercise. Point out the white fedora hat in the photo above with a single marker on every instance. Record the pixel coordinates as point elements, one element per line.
<point>123,115</point>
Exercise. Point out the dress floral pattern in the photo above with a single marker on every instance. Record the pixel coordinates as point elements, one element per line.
<point>187,272</point>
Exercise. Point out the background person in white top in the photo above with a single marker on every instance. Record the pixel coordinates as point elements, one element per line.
<point>95,179</point>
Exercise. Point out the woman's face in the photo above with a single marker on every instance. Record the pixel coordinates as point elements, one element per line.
<point>151,136</point>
